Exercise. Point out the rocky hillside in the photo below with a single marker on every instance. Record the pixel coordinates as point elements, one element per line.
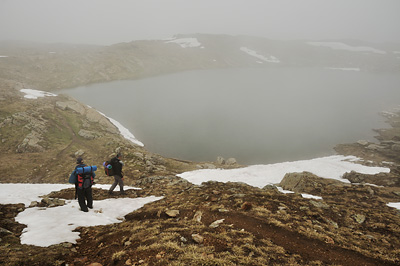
<point>212,224</point>
<point>41,139</point>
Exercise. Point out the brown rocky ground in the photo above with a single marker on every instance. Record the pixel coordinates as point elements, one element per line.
<point>351,226</point>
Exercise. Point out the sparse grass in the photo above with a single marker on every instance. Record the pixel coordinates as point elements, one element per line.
<point>119,255</point>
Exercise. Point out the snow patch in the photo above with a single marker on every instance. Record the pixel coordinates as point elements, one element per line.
<point>34,94</point>
<point>261,175</point>
<point>343,46</point>
<point>309,196</point>
<point>124,131</point>
<point>26,193</point>
<point>394,205</point>
<point>270,59</point>
<point>345,68</point>
<point>186,42</point>
<point>51,226</point>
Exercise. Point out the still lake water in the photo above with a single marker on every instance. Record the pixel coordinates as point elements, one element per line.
<point>254,115</point>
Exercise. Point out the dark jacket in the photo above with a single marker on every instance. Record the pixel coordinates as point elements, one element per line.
<point>116,166</point>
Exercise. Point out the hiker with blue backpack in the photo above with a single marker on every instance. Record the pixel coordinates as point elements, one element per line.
<point>83,177</point>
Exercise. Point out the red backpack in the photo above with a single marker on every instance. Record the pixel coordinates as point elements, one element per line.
<point>108,168</point>
<point>85,178</point>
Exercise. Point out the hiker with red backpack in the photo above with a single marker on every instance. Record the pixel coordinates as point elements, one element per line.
<point>83,177</point>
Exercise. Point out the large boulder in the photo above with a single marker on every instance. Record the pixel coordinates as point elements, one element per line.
<point>391,179</point>
<point>307,182</point>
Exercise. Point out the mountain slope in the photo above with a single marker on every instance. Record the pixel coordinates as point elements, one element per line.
<point>40,139</point>
<point>52,67</point>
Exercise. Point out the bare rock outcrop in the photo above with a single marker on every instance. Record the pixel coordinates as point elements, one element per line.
<point>307,182</point>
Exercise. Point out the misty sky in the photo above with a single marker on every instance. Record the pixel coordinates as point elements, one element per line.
<point>113,21</point>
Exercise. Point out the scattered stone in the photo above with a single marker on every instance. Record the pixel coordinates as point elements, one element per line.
<point>197,216</point>
<point>334,224</point>
<point>363,142</point>
<point>375,147</point>
<point>220,160</point>
<point>67,245</point>
<point>5,231</point>
<point>172,213</point>
<point>71,105</point>
<point>31,143</point>
<point>209,166</point>
<point>87,134</point>
<point>33,204</point>
<point>319,204</point>
<point>197,238</point>
<point>49,202</point>
<point>231,161</point>
<point>160,255</point>
<point>79,153</point>
<point>270,187</point>
<point>216,192</point>
<point>329,240</point>
<point>359,218</point>
<point>216,223</point>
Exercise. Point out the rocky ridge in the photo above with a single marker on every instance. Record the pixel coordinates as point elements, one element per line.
<point>51,67</point>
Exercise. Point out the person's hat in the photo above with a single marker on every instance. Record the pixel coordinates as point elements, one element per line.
<point>79,160</point>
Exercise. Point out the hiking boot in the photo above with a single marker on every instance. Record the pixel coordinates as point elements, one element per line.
<point>123,193</point>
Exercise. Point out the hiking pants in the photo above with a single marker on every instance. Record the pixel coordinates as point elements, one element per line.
<point>117,181</point>
<point>85,198</point>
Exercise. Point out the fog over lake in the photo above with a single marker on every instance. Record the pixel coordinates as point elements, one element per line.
<point>254,115</point>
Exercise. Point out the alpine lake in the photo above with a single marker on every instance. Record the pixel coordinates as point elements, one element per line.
<point>257,116</point>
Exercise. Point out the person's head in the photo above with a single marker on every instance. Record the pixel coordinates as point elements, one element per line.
<point>79,160</point>
<point>119,155</point>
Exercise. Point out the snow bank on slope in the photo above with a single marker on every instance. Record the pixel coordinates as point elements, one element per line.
<point>343,46</point>
<point>52,226</point>
<point>261,175</point>
<point>34,94</point>
<point>186,42</point>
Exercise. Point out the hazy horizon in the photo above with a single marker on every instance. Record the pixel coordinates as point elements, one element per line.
<point>105,22</point>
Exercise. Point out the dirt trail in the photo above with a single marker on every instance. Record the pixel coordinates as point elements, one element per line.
<point>309,249</point>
